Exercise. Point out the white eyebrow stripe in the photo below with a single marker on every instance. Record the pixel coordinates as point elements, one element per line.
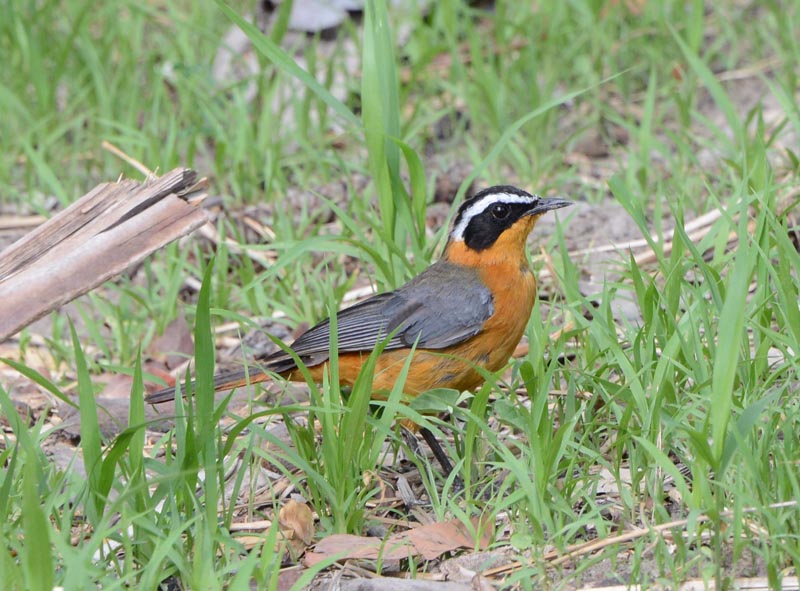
<point>481,206</point>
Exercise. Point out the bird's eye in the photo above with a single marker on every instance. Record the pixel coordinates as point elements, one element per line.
<point>500,211</point>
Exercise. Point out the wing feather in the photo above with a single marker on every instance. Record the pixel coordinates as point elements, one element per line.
<point>443,306</point>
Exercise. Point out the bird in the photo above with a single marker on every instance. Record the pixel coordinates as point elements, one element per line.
<point>466,311</point>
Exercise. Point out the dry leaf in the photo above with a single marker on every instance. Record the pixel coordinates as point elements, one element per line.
<point>297,519</point>
<point>297,526</point>
<point>288,577</point>
<point>175,345</point>
<point>429,542</point>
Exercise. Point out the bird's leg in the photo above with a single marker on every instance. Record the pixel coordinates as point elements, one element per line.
<point>438,452</point>
<point>413,445</point>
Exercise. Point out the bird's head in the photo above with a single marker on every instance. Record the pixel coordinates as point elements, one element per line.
<point>495,223</point>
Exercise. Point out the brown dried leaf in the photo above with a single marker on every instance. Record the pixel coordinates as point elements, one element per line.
<point>429,541</point>
<point>297,521</point>
<point>296,531</point>
<point>118,387</point>
<point>175,345</point>
<point>297,527</point>
<point>288,577</point>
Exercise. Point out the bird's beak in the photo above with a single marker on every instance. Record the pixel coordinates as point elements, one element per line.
<point>545,205</point>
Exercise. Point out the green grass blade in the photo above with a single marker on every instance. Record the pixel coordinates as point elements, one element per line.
<point>206,419</point>
<point>91,442</point>
<point>416,173</point>
<point>8,479</point>
<point>39,379</point>
<point>136,418</point>
<point>707,77</point>
<point>380,110</point>
<point>731,326</point>
<point>38,554</point>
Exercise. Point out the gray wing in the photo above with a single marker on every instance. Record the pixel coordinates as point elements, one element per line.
<point>444,305</point>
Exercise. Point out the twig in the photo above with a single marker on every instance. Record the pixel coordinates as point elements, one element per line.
<point>108,146</point>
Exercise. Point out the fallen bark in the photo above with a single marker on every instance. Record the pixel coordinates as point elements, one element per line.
<point>113,227</point>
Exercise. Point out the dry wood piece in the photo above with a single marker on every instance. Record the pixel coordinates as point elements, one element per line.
<point>20,221</point>
<point>112,227</point>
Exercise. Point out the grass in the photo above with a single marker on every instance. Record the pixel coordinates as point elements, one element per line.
<point>582,441</point>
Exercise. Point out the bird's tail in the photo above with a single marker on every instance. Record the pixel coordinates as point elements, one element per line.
<point>224,381</point>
